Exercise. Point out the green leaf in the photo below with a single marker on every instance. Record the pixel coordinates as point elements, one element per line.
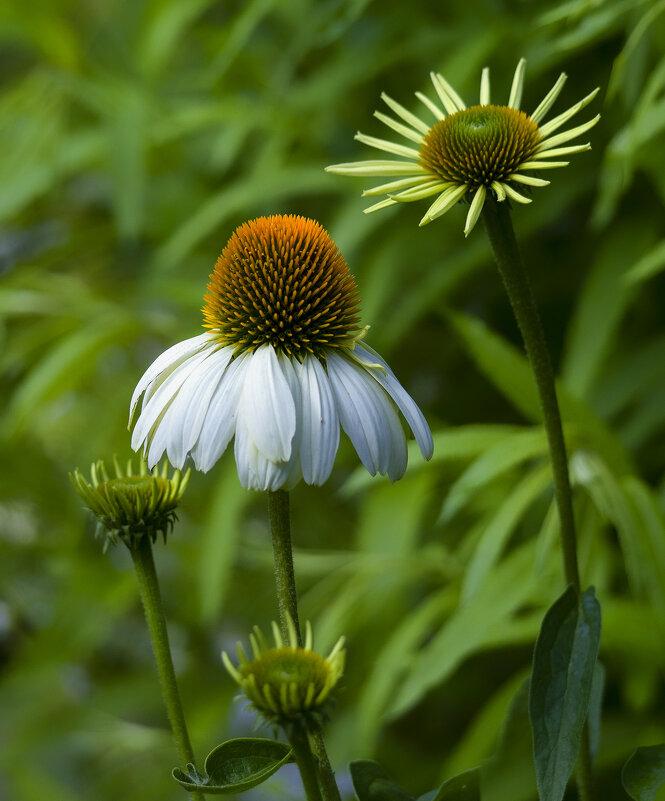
<point>644,773</point>
<point>563,665</point>
<point>236,766</point>
<point>464,787</point>
<point>371,783</point>
<point>596,706</point>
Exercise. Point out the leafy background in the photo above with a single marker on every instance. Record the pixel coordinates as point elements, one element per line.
<point>134,137</point>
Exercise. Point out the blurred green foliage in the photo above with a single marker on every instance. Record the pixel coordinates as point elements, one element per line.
<point>134,137</point>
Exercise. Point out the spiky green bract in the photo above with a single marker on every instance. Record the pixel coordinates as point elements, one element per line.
<point>288,684</point>
<point>130,505</point>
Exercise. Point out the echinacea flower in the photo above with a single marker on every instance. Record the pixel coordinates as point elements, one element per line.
<point>281,368</point>
<point>130,505</point>
<point>288,682</point>
<point>467,152</point>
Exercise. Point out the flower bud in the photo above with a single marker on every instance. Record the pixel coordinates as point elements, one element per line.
<point>289,683</point>
<point>131,505</point>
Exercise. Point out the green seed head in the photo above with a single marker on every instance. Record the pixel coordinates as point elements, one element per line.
<point>479,145</point>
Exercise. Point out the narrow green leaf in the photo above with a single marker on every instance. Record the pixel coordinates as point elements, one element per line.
<point>236,766</point>
<point>563,665</point>
<point>464,787</point>
<point>644,773</point>
<point>371,783</point>
<point>596,706</point>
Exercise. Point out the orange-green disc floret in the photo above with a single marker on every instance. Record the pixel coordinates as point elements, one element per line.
<point>282,281</point>
<point>479,145</point>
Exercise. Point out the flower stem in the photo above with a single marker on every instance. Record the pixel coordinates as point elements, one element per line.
<point>515,279</point>
<point>144,565</point>
<point>287,601</point>
<point>306,764</point>
<point>285,579</point>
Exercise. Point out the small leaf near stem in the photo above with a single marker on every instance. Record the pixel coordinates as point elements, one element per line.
<point>560,689</point>
<point>146,574</point>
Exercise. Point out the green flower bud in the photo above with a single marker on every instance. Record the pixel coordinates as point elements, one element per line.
<point>131,505</point>
<point>288,683</point>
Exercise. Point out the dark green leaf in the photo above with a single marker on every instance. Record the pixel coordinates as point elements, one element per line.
<point>236,766</point>
<point>596,706</point>
<point>371,783</point>
<point>644,773</point>
<point>464,787</point>
<point>563,665</point>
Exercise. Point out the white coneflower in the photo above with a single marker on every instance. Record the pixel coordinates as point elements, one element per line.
<point>281,369</point>
<point>468,152</point>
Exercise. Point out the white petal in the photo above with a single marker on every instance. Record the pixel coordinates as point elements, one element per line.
<point>382,204</point>
<point>516,196</point>
<point>254,470</point>
<point>161,399</point>
<point>452,102</point>
<point>403,130</point>
<point>548,101</point>
<point>528,180</point>
<point>220,420</point>
<point>320,424</point>
<point>518,84</point>
<point>436,111</point>
<point>407,116</point>
<point>444,203</point>
<point>422,191</point>
<point>557,122</point>
<point>266,405</point>
<point>395,186</point>
<point>168,361</point>
<point>474,209</point>
<point>485,87</point>
<point>499,191</point>
<point>389,147</point>
<point>409,408</point>
<point>566,136</point>
<point>368,169</point>
<point>190,406</point>
<point>360,410</point>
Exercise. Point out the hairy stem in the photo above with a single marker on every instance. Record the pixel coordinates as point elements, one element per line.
<point>515,279</point>
<point>287,601</point>
<point>144,565</point>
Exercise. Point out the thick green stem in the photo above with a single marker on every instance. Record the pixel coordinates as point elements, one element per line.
<point>154,615</point>
<point>515,278</point>
<point>306,763</point>
<point>516,281</point>
<point>287,601</point>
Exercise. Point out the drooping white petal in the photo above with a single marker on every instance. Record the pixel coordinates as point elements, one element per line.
<point>254,470</point>
<point>389,147</point>
<point>436,111</point>
<point>290,370</point>
<point>266,407</point>
<point>369,169</point>
<point>542,165</point>
<point>360,411</point>
<point>190,406</point>
<point>409,408</point>
<point>398,455</point>
<point>485,87</point>
<point>548,101</point>
<point>159,402</point>
<point>220,420</point>
<point>398,127</point>
<point>168,361</point>
<point>407,116</point>
<point>443,203</point>
<point>319,435</point>
<point>557,122</point>
<point>474,209</point>
<point>518,85</point>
